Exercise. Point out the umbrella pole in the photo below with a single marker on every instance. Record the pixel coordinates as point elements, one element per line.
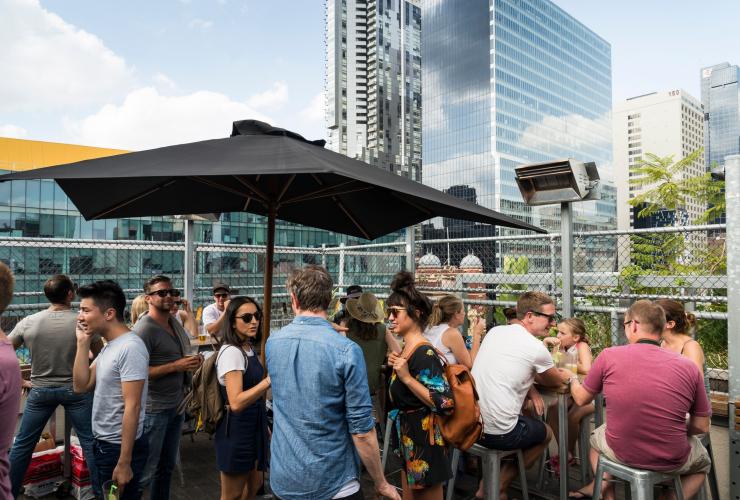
<point>267,291</point>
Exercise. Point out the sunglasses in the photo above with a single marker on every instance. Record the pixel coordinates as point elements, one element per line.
<point>221,295</point>
<point>178,302</point>
<point>164,293</point>
<point>393,311</point>
<point>247,317</point>
<point>550,317</point>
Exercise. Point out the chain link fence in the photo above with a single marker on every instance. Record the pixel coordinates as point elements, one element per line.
<point>611,269</point>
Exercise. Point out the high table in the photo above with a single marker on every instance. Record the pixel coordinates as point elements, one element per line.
<point>562,394</point>
<point>205,345</point>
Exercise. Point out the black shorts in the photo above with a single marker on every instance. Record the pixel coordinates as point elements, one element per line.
<point>527,432</point>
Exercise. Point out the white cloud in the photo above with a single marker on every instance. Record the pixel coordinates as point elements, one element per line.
<point>316,109</point>
<point>273,97</point>
<point>48,63</point>
<point>200,24</point>
<point>13,131</point>
<point>147,119</point>
<point>162,81</point>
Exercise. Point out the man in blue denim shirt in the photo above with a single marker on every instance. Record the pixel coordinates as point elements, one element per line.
<point>321,402</point>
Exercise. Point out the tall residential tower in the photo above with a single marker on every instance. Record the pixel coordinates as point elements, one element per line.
<point>508,82</point>
<point>373,82</point>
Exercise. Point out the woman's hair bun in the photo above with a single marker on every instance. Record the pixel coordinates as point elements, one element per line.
<point>403,281</point>
<point>690,319</point>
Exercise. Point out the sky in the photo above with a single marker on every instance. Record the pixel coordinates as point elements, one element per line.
<point>142,74</point>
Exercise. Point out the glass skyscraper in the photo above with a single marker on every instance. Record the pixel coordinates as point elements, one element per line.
<point>509,82</point>
<point>720,96</point>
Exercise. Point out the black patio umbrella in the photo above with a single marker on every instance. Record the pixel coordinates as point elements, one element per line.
<point>264,170</point>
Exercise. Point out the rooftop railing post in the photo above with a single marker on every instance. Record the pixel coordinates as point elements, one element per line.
<point>410,249</point>
<point>188,269</point>
<point>732,196</point>
<point>341,269</point>
<point>323,255</point>
<point>566,248</point>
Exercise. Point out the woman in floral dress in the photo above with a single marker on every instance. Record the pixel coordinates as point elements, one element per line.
<point>419,392</point>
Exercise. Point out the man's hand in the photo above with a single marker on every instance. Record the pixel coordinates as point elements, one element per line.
<point>187,364</point>
<point>387,490</point>
<point>122,475</point>
<point>26,386</point>
<point>537,402</point>
<point>84,335</point>
<point>185,306</point>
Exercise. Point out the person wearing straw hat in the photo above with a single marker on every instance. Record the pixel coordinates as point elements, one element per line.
<point>366,327</point>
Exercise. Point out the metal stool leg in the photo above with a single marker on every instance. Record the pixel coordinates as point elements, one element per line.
<point>584,447</point>
<point>678,487</point>
<point>522,474</point>
<point>712,476</point>
<point>386,441</point>
<point>597,480</point>
<point>451,483</point>
<point>641,490</point>
<point>492,478</point>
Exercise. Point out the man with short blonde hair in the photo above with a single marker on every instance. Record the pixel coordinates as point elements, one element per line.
<point>650,390</point>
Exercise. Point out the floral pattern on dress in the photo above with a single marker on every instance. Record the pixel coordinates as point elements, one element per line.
<point>425,464</point>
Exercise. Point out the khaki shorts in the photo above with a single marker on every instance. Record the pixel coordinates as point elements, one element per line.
<point>697,462</point>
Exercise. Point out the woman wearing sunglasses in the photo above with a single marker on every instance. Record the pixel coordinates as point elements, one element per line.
<point>241,435</point>
<point>418,390</point>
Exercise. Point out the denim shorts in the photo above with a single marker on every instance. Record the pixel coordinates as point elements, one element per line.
<point>527,432</point>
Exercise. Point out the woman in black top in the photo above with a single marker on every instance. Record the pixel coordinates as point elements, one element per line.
<point>419,391</point>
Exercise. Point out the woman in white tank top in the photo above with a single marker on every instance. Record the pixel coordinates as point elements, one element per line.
<point>447,316</point>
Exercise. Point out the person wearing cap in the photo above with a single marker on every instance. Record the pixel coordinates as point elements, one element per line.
<point>214,314</point>
<point>366,327</point>
<point>341,317</point>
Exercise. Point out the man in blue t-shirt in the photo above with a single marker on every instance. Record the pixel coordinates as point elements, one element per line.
<point>321,402</point>
<point>119,377</point>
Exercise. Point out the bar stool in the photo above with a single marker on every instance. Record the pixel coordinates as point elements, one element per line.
<point>491,470</point>
<point>641,481</point>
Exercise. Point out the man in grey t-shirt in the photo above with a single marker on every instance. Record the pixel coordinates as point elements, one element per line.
<point>50,338</point>
<point>169,376</point>
<point>119,378</point>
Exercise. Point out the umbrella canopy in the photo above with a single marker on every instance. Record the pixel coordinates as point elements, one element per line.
<point>264,170</point>
<point>257,168</point>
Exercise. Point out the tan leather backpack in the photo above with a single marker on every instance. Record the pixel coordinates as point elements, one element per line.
<point>463,427</point>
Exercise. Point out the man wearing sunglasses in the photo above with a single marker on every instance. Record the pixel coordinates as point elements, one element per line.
<point>213,314</point>
<point>169,378</point>
<point>509,361</point>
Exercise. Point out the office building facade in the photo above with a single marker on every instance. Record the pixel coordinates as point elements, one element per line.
<point>373,82</point>
<point>509,82</point>
<point>668,123</point>
<point>720,97</point>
